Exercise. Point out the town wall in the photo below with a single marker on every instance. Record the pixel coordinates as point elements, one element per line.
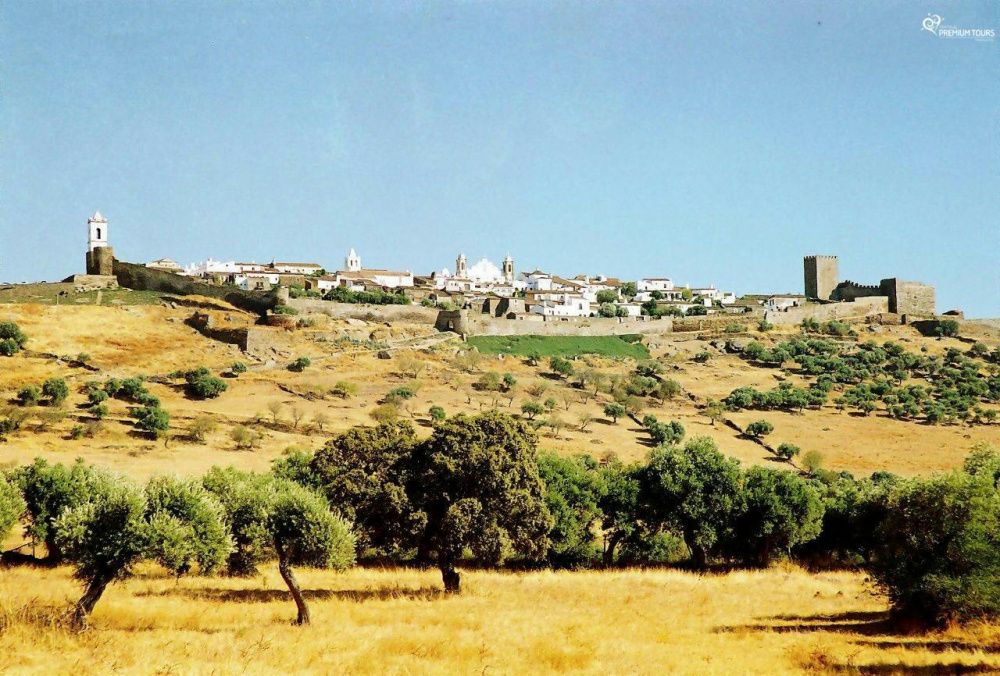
<point>909,298</point>
<point>382,313</point>
<point>480,325</point>
<point>141,278</point>
<point>850,291</point>
<point>822,312</point>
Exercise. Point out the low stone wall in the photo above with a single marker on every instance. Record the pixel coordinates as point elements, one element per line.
<point>857,309</point>
<point>141,278</point>
<point>536,325</point>
<point>379,313</point>
<point>259,341</point>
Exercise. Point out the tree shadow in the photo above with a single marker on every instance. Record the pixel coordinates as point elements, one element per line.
<point>853,622</point>
<point>271,595</point>
<point>886,635</point>
<point>913,670</point>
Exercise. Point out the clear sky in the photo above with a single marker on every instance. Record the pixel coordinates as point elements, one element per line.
<point>713,142</point>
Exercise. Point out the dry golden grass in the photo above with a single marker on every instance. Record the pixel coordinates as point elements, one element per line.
<point>124,341</point>
<point>396,621</point>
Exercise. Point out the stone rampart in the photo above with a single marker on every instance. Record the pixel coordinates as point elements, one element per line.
<point>141,278</point>
<point>857,309</point>
<point>384,313</point>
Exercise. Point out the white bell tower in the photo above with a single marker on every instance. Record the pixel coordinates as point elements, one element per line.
<point>353,261</point>
<point>97,231</point>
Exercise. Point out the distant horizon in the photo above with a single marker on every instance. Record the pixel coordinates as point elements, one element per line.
<point>709,143</point>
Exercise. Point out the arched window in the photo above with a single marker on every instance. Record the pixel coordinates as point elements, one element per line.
<point>98,233</point>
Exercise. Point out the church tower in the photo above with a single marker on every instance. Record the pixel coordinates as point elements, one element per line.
<point>508,269</point>
<point>461,266</point>
<point>353,261</point>
<point>97,231</point>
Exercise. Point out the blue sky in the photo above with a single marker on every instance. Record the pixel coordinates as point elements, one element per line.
<point>714,142</point>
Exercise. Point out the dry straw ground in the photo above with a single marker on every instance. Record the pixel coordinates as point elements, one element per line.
<point>396,621</point>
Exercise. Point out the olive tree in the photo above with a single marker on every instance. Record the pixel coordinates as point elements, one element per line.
<point>117,524</point>
<point>937,552</point>
<point>365,471</point>
<point>573,490</point>
<point>780,510</point>
<point>103,538</point>
<point>187,526</point>
<point>12,506</point>
<point>276,517</point>
<point>695,490</point>
<point>50,489</point>
<point>476,483</point>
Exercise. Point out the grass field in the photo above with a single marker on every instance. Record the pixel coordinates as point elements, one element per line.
<point>48,294</point>
<point>562,346</point>
<point>394,621</point>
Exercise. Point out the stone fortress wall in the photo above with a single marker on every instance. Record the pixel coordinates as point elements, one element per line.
<point>141,278</point>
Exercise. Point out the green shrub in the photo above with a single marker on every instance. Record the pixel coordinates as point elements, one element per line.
<point>759,429</point>
<point>12,339</point>
<point>201,384</point>
<point>238,367</point>
<point>787,451</point>
<point>56,390</point>
<point>780,510</point>
<point>437,414</point>
<point>152,420</point>
<point>28,395</point>
<point>948,328</point>
<point>938,550</point>
<point>300,364</point>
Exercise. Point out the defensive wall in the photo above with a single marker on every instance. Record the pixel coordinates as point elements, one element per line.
<point>858,309</point>
<point>141,278</point>
<point>259,341</point>
<point>905,298</point>
<point>382,313</point>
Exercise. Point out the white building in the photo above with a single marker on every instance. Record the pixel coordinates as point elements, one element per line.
<point>165,265</point>
<point>365,277</point>
<point>655,284</point>
<point>211,267</point>
<point>296,268</point>
<point>560,304</point>
<point>537,280</point>
<point>483,276</point>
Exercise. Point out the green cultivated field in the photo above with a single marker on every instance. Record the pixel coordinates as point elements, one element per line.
<point>563,346</point>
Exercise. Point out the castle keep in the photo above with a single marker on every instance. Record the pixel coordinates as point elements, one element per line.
<point>905,298</point>
<point>820,276</point>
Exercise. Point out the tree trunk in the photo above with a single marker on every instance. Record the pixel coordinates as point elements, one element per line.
<point>611,544</point>
<point>450,576</point>
<point>85,606</point>
<point>293,586</point>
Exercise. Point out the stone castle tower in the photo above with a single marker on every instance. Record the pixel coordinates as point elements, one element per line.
<point>461,266</point>
<point>821,276</point>
<point>508,269</point>
<point>100,255</point>
<point>353,261</point>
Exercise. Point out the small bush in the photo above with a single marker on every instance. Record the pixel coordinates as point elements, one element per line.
<point>238,367</point>
<point>201,384</point>
<point>437,414</point>
<point>759,429</point>
<point>29,395</point>
<point>787,451</point>
<point>12,339</point>
<point>344,389</point>
<point>152,420</point>
<point>300,364</point>
<point>56,390</point>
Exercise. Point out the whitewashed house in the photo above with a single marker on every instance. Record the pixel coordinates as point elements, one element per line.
<point>561,304</point>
